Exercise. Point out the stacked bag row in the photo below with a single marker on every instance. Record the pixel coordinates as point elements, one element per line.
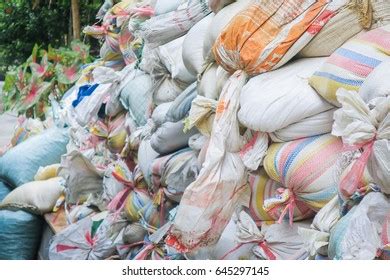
<point>228,130</point>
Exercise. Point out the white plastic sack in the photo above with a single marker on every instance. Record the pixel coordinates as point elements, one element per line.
<point>274,100</point>
<point>164,28</point>
<point>82,178</point>
<point>136,96</point>
<point>364,126</point>
<point>171,57</point>
<point>357,235</point>
<point>146,155</point>
<point>160,112</point>
<point>182,104</point>
<point>79,241</point>
<point>317,237</point>
<point>209,202</point>
<point>212,81</point>
<point>193,46</point>
<point>216,5</point>
<point>165,6</point>
<point>377,83</point>
<point>170,137</point>
<point>87,110</point>
<point>311,126</point>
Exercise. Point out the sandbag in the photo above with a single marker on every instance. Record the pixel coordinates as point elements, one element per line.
<point>193,46</point>
<point>160,113</point>
<point>220,20</point>
<point>20,164</point>
<point>165,6</point>
<point>212,80</point>
<point>82,178</point>
<point>146,155</point>
<point>136,97</point>
<point>47,172</point>
<point>171,57</point>
<point>264,188</point>
<point>349,65</point>
<point>37,197</point>
<point>20,232</point>
<point>317,236</point>
<point>169,137</point>
<point>85,240</point>
<point>216,5</point>
<point>365,126</point>
<point>306,168</point>
<point>376,83</point>
<point>357,235</point>
<point>20,235</point>
<point>352,18</point>
<point>182,104</point>
<point>175,172</point>
<point>274,100</point>
<point>266,35</point>
<point>164,28</point>
<point>311,126</point>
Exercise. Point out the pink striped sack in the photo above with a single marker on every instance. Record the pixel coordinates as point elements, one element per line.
<point>349,66</point>
<point>306,168</point>
<point>264,188</point>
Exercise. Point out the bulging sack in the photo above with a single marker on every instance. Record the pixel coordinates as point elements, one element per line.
<point>85,240</point>
<point>170,137</point>
<point>217,5</point>
<point>376,84</point>
<point>264,188</point>
<point>20,164</point>
<point>175,172</point>
<point>37,197</point>
<point>311,126</point>
<point>220,21</point>
<point>20,235</point>
<point>306,168</point>
<point>136,96</point>
<point>212,80</point>
<point>353,17</point>
<point>164,28</point>
<point>357,235</point>
<point>182,104</point>
<point>349,65</point>
<point>274,100</point>
<point>317,236</point>
<point>364,126</point>
<point>193,46</point>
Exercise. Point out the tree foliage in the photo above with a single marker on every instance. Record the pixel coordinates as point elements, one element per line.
<point>24,23</point>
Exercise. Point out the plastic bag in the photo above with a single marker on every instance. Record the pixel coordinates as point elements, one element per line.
<point>357,235</point>
<point>20,164</point>
<point>366,127</point>
<point>306,168</point>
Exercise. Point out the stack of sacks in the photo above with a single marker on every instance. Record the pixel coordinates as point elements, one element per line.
<point>196,137</point>
<point>261,26</point>
<point>23,200</point>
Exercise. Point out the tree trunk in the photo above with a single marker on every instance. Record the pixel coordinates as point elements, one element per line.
<point>76,19</point>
